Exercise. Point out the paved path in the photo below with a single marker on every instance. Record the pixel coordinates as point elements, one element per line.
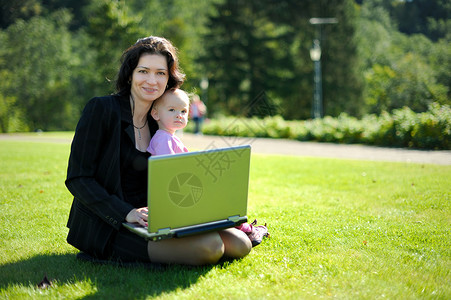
<point>290,147</point>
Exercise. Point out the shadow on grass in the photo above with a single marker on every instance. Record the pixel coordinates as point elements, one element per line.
<point>106,281</point>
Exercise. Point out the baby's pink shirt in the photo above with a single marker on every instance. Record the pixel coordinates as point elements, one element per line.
<point>165,143</point>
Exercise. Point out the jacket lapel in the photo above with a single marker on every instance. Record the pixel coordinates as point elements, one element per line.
<point>126,116</point>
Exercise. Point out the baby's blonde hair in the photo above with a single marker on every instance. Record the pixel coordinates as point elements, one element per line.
<point>167,92</point>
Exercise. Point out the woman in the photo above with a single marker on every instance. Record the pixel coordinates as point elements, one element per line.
<point>107,170</point>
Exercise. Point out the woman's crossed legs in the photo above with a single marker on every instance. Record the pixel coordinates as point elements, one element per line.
<point>201,249</point>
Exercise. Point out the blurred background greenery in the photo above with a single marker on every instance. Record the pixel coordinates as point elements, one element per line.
<point>381,56</point>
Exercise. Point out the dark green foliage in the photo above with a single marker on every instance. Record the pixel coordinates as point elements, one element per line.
<point>400,70</point>
<point>263,46</point>
<point>57,54</point>
<point>38,73</point>
<point>431,18</point>
<point>10,11</point>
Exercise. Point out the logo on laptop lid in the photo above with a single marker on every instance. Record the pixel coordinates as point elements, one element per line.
<point>185,190</point>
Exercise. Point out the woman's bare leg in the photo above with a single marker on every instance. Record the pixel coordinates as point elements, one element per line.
<point>194,250</point>
<point>236,243</point>
<point>201,249</point>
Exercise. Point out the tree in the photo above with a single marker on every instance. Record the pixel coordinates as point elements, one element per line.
<point>401,70</point>
<point>342,79</point>
<point>11,118</point>
<point>242,55</point>
<point>431,18</point>
<point>38,60</point>
<point>111,29</point>
<point>379,79</point>
<point>10,11</point>
<point>263,46</point>
<point>183,27</point>
<point>75,7</point>
<point>440,62</point>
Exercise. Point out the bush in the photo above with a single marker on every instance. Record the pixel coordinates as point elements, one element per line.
<point>433,128</point>
<point>402,128</point>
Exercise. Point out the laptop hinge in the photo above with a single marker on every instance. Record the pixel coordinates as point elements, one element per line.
<point>164,231</point>
<point>234,218</point>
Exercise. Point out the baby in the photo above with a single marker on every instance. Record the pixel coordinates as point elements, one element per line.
<point>171,113</point>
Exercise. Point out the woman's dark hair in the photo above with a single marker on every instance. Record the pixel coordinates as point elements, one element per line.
<point>150,45</point>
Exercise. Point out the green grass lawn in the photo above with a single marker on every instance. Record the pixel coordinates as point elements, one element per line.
<point>339,228</point>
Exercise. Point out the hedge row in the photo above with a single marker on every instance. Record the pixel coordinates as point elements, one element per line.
<point>402,128</point>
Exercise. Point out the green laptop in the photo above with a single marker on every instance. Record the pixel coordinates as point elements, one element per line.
<point>196,192</point>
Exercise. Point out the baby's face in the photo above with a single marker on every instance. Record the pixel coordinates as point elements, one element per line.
<point>173,112</point>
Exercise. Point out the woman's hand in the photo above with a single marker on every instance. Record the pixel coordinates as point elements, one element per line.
<point>138,215</point>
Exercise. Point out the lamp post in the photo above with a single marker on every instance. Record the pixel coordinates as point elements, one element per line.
<point>315,55</point>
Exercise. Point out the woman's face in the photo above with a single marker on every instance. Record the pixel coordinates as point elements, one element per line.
<point>150,77</point>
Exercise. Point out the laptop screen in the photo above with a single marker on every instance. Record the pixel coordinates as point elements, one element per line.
<point>192,188</point>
